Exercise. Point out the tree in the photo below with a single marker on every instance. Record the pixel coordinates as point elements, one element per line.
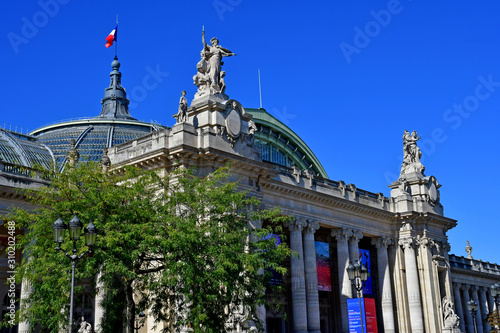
<point>191,250</point>
<point>494,321</point>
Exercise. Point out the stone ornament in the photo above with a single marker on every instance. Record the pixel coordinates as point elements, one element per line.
<point>468,249</point>
<point>72,156</point>
<point>297,224</point>
<point>451,320</point>
<point>341,233</point>
<point>84,327</point>
<point>408,242</point>
<point>382,242</point>
<point>233,120</point>
<point>296,173</point>
<point>312,226</point>
<point>181,115</point>
<point>105,161</point>
<point>356,235</point>
<point>412,155</point>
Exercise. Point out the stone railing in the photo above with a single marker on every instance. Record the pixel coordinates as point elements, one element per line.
<point>474,265</point>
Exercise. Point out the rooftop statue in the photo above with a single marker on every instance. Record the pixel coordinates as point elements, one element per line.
<point>210,77</point>
<point>412,154</point>
<point>181,115</point>
<point>72,156</point>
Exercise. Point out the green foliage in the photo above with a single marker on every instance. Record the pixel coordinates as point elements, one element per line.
<point>190,249</point>
<point>494,321</point>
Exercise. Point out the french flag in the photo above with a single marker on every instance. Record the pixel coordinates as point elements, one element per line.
<point>113,36</point>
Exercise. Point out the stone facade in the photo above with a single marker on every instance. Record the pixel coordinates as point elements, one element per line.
<point>416,284</point>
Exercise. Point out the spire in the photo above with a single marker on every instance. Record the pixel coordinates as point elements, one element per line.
<point>115,102</point>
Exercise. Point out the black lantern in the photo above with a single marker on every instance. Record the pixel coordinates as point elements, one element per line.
<point>58,230</point>
<point>90,234</point>
<point>75,228</point>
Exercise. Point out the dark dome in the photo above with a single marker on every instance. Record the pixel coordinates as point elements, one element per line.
<point>113,126</point>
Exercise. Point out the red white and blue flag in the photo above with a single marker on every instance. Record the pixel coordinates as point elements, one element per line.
<point>113,36</point>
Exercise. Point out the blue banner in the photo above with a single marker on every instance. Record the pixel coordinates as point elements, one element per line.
<point>364,259</point>
<point>355,315</point>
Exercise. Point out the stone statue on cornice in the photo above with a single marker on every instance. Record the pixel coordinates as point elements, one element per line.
<point>412,154</point>
<point>210,77</point>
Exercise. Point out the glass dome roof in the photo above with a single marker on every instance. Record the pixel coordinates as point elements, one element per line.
<point>23,150</point>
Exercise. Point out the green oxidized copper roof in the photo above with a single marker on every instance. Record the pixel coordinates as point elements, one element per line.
<point>274,132</point>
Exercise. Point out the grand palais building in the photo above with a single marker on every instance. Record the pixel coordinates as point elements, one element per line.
<point>415,285</point>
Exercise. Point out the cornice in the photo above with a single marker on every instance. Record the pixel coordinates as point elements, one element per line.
<point>331,201</point>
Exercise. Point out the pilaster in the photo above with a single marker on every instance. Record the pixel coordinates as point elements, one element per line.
<point>430,287</point>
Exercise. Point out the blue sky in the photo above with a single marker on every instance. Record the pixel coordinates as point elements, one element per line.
<point>348,77</point>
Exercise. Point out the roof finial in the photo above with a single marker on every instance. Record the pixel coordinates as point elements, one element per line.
<point>115,102</point>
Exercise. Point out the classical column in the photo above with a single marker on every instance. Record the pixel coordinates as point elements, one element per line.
<point>483,306</point>
<point>492,306</point>
<point>298,280</point>
<point>342,235</point>
<point>381,243</point>
<point>458,305</point>
<point>312,298</point>
<point>99,309</point>
<point>479,314</point>
<point>468,316</point>
<point>24,326</point>
<point>353,245</point>
<point>414,299</point>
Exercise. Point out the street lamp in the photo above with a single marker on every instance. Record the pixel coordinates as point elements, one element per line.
<point>358,274</point>
<point>137,321</point>
<point>75,229</point>
<point>472,306</point>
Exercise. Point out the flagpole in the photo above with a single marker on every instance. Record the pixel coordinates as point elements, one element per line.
<point>116,42</point>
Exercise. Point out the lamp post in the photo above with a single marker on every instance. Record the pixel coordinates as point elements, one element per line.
<point>472,306</point>
<point>495,292</point>
<point>137,321</point>
<point>358,274</point>
<point>75,229</point>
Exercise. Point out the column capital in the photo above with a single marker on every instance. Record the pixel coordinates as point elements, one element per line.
<point>474,288</point>
<point>341,233</point>
<point>483,289</point>
<point>425,242</point>
<point>356,235</point>
<point>297,224</point>
<point>382,242</point>
<point>456,286</point>
<point>311,226</point>
<point>408,242</point>
<point>465,286</point>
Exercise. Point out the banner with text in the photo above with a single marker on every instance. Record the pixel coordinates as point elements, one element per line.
<point>323,266</point>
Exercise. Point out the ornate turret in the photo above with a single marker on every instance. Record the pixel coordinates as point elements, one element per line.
<point>115,102</point>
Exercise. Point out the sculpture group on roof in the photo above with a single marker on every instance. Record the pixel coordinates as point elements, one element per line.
<point>210,77</point>
<point>412,154</point>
